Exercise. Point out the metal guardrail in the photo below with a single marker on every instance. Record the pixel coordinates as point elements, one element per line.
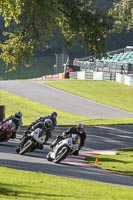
<point>92,75</point>
<point>121,78</point>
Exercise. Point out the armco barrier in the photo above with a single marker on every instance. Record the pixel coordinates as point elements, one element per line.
<point>121,78</point>
<point>131,82</point>
<point>89,75</point>
<point>73,75</point>
<point>81,75</point>
<point>108,76</point>
<point>97,75</point>
<point>84,75</point>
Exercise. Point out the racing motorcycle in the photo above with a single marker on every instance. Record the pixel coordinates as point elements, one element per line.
<point>64,148</point>
<point>6,130</point>
<point>31,141</point>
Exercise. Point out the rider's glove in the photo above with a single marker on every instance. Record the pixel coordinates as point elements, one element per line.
<point>64,135</point>
<point>32,128</point>
<point>27,132</point>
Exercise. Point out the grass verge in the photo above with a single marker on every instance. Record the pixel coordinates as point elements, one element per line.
<point>121,163</point>
<point>107,92</point>
<point>22,185</point>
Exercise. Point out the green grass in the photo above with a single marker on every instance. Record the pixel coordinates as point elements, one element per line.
<point>110,93</point>
<point>23,185</point>
<point>15,184</point>
<point>122,162</point>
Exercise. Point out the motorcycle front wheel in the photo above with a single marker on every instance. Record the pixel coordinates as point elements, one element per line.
<point>27,146</point>
<point>61,154</point>
<point>49,157</point>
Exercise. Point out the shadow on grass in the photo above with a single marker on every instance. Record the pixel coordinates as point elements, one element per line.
<point>23,191</point>
<point>126,150</point>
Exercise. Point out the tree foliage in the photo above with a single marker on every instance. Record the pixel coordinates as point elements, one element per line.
<point>122,12</point>
<point>30,24</point>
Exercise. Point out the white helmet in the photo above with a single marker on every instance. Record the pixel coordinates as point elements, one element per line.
<point>76,139</point>
<point>48,123</point>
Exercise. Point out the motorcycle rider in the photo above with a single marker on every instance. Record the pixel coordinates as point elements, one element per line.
<point>52,117</point>
<point>16,120</point>
<point>79,130</point>
<point>45,127</point>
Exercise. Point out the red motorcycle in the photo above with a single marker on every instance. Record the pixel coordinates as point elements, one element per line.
<point>6,130</point>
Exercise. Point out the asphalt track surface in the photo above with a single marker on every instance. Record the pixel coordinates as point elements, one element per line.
<point>61,100</point>
<point>99,140</point>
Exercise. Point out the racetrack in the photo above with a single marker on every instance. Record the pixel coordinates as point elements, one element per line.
<point>46,95</point>
<point>99,138</point>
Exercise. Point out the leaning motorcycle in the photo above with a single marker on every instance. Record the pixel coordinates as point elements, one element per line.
<point>64,148</point>
<point>31,141</point>
<point>6,130</point>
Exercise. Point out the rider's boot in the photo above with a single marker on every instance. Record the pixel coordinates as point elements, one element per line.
<point>18,149</point>
<point>75,153</point>
<point>13,136</point>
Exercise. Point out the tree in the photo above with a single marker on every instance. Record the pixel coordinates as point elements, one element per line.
<point>122,12</point>
<point>30,24</point>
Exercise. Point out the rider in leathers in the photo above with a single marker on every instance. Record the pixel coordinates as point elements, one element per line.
<point>52,117</point>
<point>79,130</point>
<point>16,120</point>
<point>45,129</point>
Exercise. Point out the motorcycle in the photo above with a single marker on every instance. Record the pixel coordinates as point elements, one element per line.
<point>6,130</point>
<point>31,141</point>
<point>64,148</point>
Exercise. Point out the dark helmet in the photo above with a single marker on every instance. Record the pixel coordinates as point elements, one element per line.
<point>48,124</point>
<point>80,128</point>
<point>53,114</point>
<point>18,114</point>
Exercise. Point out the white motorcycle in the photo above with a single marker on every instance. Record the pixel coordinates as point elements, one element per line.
<point>64,148</point>
<point>31,141</point>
